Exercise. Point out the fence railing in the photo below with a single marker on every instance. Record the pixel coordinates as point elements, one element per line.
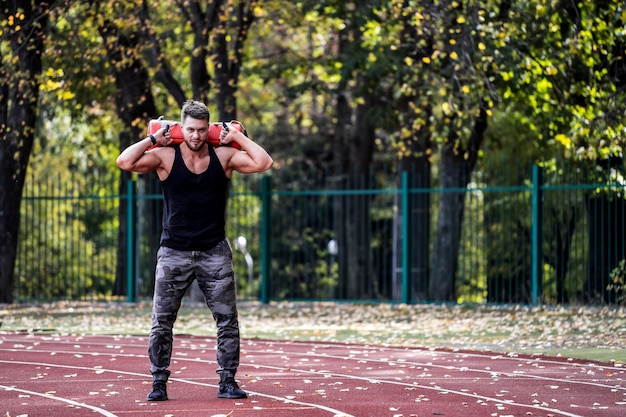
<point>546,240</point>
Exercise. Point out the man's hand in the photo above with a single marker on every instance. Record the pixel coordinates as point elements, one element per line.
<point>163,136</point>
<point>227,134</point>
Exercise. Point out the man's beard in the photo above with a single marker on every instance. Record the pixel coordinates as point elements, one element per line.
<point>195,145</point>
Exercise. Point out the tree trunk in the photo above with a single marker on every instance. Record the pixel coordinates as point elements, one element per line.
<point>456,169</point>
<point>358,221</point>
<point>353,150</point>
<point>453,175</point>
<point>341,160</point>
<point>564,234</point>
<point>134,101</point>
<point>228,53</point>
<point>19,93</point>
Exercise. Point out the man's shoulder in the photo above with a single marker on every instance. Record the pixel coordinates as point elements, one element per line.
<point>164,150</point>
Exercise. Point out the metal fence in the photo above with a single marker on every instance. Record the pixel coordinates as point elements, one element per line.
<point>537,236</point>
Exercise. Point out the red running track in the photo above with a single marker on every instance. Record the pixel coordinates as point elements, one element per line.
<point>68,376</point>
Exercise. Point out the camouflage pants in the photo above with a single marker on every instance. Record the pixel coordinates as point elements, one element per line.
<point>175,271</point>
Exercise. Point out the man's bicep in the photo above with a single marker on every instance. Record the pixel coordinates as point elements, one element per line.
<point>148,162</point>
<point>242,162</point>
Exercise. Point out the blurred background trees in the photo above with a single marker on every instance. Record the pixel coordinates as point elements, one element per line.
<point>441,89</point>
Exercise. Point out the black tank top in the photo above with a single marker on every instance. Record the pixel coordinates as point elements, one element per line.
<point>195,205</point>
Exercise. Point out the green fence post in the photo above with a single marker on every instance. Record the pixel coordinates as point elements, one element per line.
<point>537,234</point>
<point>130,241</point>
<point>266,240</point>
<point>406,239</point>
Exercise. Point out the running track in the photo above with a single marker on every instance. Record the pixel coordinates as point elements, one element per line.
<point>71,376</point>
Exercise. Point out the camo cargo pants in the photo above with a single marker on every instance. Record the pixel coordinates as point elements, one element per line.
<point>175,271</point>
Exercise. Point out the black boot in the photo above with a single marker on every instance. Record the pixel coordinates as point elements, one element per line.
<point>159,386</point>
<point>229,388</point>
<point>159,391</point>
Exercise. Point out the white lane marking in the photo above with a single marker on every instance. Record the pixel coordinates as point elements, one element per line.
<point>65,400</point>
<point>336,413</point>
<point>340,413</point>
<point>576,363</point>
<point>309,354</point>
<point>518,357</point>
<point>525,357</point>
<point>464,369</point>
<point>439,389</point>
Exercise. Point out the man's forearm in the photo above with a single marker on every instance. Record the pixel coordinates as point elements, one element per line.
<point>129,156</point>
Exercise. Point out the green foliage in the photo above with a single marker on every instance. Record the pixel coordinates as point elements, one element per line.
<point>618,281</point>
<point>67,165</point>
<point>77,75</point>
<point>566,67</point>
<point>550,75</point>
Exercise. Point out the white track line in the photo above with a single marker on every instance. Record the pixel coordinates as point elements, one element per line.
<point>525,357</point>
<point>449,367</point>
<point>281,350</point>
<point>325,374</point>
<point>65,400</point>
<point>438,389</point>
<point>513,357</point>
<point>336,413</point>
<point>360,359</point>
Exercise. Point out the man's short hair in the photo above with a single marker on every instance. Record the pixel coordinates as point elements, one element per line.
<point>194,109</point>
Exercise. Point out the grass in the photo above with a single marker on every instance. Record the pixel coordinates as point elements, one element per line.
<point>586,333</point>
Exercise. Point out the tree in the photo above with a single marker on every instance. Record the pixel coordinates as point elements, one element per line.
<point>135,57</point>
<point>329,115</point>
<point>22,39</point>
<point>447,96</point>
<point>567,70</point>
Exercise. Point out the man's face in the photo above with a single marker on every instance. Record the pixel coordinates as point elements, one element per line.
<point>195,133</point>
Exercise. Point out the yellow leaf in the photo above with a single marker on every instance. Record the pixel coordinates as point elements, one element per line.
<point>563,140</point>
<point>481,46</point>
<point>408,61</point>
<point>454,55</point>
<point>543,86</point>
<point>67,95</point>
<point>460,20</point>
<point>541,10</point>
<point>551,70</point>
<point>426,60</point>
<point>466,89</point>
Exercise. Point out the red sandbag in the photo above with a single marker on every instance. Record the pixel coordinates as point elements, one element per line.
<point>176,131</point>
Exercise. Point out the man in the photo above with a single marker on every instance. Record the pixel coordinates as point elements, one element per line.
<point>194,178</point>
